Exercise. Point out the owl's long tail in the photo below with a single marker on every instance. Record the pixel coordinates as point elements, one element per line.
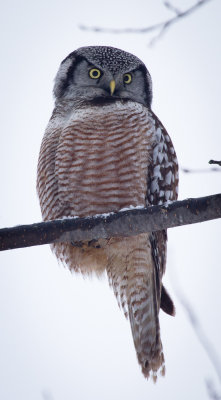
<point>135,285</point>
<point>143,314</point>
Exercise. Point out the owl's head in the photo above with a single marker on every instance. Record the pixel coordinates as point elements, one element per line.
<point>99,74</point>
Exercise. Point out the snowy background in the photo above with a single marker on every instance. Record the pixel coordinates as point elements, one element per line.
<point>63,337</point>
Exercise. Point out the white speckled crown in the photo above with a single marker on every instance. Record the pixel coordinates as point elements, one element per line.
<point>110,57</point>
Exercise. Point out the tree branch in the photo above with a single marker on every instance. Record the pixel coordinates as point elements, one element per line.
<point>205,342</point>
<point>161,27</point>
<point>215,162</point>
<point>198,329</point>
<point>171,7</point>
<point>124,223</point>
<point>199,170</point>
<point>213,394</point>
<point>202,170</point>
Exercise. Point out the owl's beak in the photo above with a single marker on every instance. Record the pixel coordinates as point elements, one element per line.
<point>112,86</point>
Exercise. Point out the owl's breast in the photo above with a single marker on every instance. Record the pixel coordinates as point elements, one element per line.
<point>102,159</point>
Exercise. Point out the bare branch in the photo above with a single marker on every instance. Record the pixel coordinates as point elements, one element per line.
<point>124,223</point>
<point>202,170</point>
<point>200,333</point>
<point>194,320</point>
<point>215,162</point>
<point>171,7</point>
<point>199,170</point>
<point>161,27</point>
<point>46,395</point>
<point>212,391</point>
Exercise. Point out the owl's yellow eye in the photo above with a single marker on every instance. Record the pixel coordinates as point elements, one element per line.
<point>94,73</point>
<point>127,78</point>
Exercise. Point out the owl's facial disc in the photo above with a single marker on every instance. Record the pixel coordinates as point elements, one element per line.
<point>102,84</point>
<point>87,74</point>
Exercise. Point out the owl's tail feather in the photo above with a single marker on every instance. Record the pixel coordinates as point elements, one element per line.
<point>143,314</point>
<point>132,275</point>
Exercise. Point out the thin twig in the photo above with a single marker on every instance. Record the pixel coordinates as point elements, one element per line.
<point>205,342</point>
<point>46,395</point>
<point>124,223</point>
<point>211,390</point>
<point>215,162</point>
<point>161,27</point>
<point>171,7</point>
<point>196,325</point>
<point>199,170</point>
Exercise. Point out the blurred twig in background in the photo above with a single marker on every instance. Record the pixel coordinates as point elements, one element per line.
<point>46,395</point>
<point>201,335</point>
<point>161,27</point>
<point>202,170</point>
<point>199,170</point>
<point>194,320</point>
<point>211,390</point>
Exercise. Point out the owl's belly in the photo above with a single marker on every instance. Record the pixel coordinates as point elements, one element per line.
<point>102,159</point>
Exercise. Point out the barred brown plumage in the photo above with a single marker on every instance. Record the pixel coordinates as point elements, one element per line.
<point>102,152</point>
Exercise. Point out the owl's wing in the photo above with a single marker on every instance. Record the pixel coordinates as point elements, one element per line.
<point>162,184</point>
<point>158,242</point>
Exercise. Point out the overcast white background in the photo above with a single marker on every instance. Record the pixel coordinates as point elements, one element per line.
<point>63,337</point>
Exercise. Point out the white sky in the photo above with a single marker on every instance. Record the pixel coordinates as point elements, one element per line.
<point>63,337</point>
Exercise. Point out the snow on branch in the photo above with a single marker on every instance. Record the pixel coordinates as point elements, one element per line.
<point>124,223</point>
<point>160,27</point>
